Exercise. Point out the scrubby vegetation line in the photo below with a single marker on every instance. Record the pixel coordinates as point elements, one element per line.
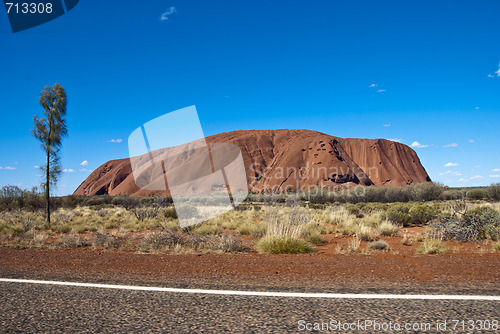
<point>266,223</point>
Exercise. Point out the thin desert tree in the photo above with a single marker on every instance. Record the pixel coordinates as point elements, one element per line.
<point>50,130</point>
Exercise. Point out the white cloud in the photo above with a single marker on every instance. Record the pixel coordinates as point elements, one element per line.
<point>471,140</point>
<point>169,11</point>
<point>476,177</point>
<point>477,108</point>
<point>495,175</point>
<point>373,85</point>
<point>8,168</point>
<point>84,163</point>
<point>490,76</point>
<point>85,170</point>
<point>418,145</point>
<point>461,180</point>
<point>119,140</point>
<point>397,140</point>
<point>387,125</point>
<point>450,172</point>
<point>451,164</point>
<point>68,170</point>
<point>381,91</point>
<point>477,166</point>
<point>36,166</point>
<point>451,145</point>
<point>496,170</point>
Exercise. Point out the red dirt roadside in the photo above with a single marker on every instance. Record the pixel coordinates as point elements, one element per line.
<point>390,268</point>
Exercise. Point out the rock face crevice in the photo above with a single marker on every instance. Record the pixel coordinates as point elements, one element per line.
<point>284,160</point>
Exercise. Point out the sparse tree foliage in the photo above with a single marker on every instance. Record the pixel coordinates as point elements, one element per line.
<point>50,130</point>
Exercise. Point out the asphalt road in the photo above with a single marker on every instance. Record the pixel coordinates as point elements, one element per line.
<point>28,308</point>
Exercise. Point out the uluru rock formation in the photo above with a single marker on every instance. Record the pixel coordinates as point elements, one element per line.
<point>283,160</point>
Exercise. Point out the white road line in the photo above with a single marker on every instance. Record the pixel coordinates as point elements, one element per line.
<point>256,293</point>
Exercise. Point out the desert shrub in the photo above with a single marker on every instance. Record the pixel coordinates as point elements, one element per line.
<point>127,202</point>
<point>372,219</point>
<point>38,239</point>
<point>422,214</point>
<point>243,207</point>
<point>142,213</point>
<point>284,235</point>
<point>224,243</point>
<point>493,192</point>
<point>352,247</point>
<point>425,191</point>
<point>69,241</point>
<point>386,228</point>
<point>11,230</point>
<point>405,240</point>
<point>365,233</point>
<point>315,206</point>
<point>231,224</point>
<point>287,221</point>
<point>255,198</point>
<point>13,197</point>
<point>69,202</point>
<point>476,194</point>
<point>60,228</point>
<point>80,228</point>
<point>206,229</point>
<point>347,227</point>
<point>163,240</point>
<point>318,195</point>
<point>105,240</point>
<point>170,213</point>
<point>489,219</point>
<point>280,244</point>
<point>431,246</point>
<point>314,239</point>
<point>396,194</point>
<point>387,194</point>
<point>398,214</point>
<point>496,246</point>
<point>378,245</point>
<point>477,224</point>
<point>251,228</point>
<point>452,194</point>
<point>338,215</point>
<point>100,200</point>
<point>315,228</point>
<point>356,209</point>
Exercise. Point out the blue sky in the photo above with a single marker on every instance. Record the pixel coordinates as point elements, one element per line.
<point>426,73</point>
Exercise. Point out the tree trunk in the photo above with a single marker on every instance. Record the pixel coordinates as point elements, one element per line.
<point>47,194</point>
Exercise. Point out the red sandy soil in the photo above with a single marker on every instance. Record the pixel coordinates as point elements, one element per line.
<point>464,263</point>
<point>330,161</point>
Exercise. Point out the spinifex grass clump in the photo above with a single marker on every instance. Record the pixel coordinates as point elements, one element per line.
<point>379,245</point>
<point>386,228</point>
<point>285,228</point>
<point>431,246</point>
